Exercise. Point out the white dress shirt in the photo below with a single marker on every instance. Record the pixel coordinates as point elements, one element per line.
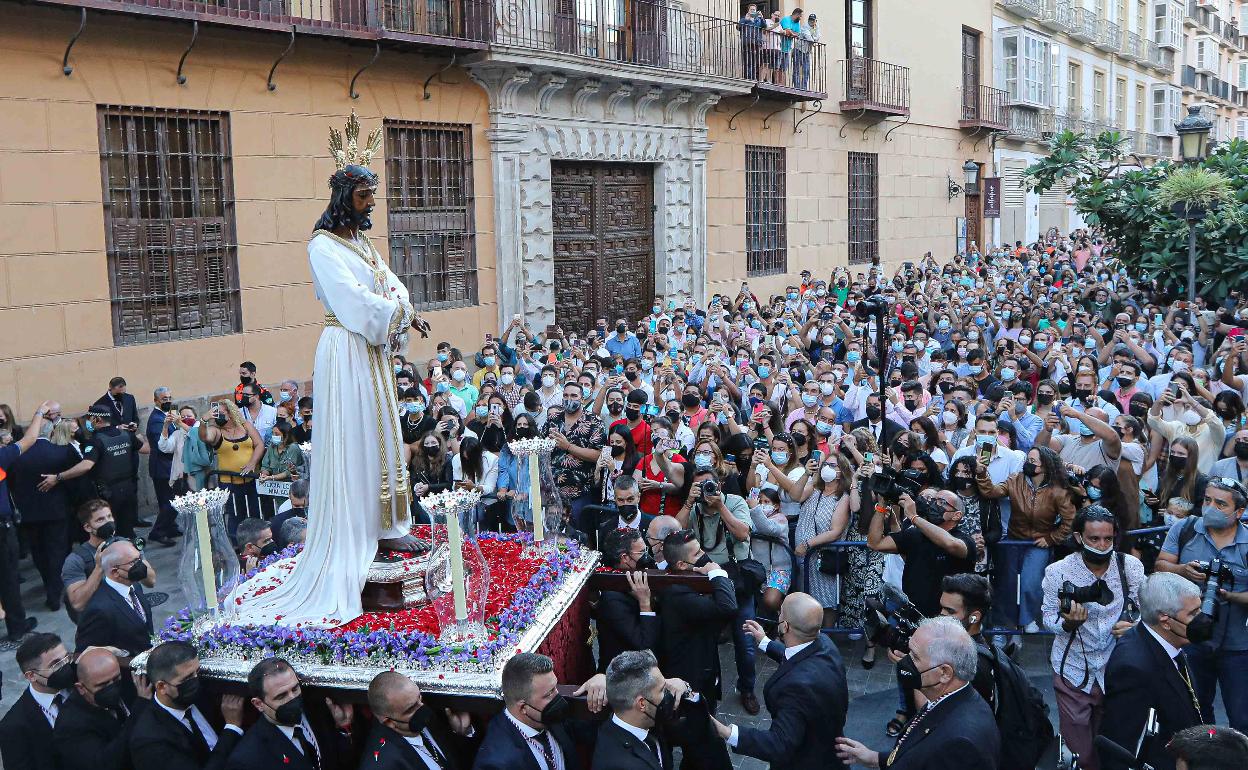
<point>535,745</point>
<point>789,652</point>
<point>637,732</point>
<point>420,744</point>
<point>210,735</point>
<point>1172,651</point>
<point>309,736</point>
<point>47,703</point>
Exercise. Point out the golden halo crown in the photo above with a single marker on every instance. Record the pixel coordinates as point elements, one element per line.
<point>350,153</point>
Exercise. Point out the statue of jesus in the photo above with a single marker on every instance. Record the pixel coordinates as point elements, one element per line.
<point>359,500</point>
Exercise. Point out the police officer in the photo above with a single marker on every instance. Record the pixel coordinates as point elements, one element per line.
<point>110,455</point>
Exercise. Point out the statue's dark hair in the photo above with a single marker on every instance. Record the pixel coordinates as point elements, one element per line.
<point>341,211</point>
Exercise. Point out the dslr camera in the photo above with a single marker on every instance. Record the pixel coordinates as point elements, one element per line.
<point>709,488</point>
<point>891,485</point>
<point>891,619</point>
<point>1217,576</point>
<point>1097,593</point>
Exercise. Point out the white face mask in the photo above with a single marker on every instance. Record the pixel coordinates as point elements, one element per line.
<point>548,381</point>
<point>1190,418</point>
<point>507,379</point>
<point>828,474</point>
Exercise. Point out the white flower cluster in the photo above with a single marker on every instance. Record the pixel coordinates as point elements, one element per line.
<point>204,498</point>
<point>531,446</point>
<point>453,501</point>
<point>306,447</point>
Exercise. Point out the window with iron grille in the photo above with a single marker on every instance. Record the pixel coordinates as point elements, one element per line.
<point>429,210</point>
<point>766,222</point>
<point>169,224</point>
<point>864,208</point>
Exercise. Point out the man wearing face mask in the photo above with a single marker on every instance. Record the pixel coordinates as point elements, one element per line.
<point>255,542</point>
<point>640,429</point>
<point>1085,634</point>
<point>407,733</point>
<point>644,721</point>
<point>247,376</point>
<point>96,720</point>
<point>533,731</point>
<point>174,733</point>
<point>1218,533</point>
<point>1148,672</point>
<point>284,736</point>
<point>26,730</point>
<point>82,572</point>
<point>623,343</point>
<point>626,620</point>
<point>884,429</point>
<point>118,614</point>
<point>953,727</point>
<point>933,547</point>
<point>255,411</point>
<point>806,696</point>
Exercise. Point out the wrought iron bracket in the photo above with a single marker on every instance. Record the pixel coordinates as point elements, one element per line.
<point>797,124</point>
<point>187,52</point>
<point>971,135</point>
<point>849,120</point>
<point>65,68</point>
<point>736,114</point>
<point>289,46</point>
<point>890,131</point>
<point>351,89</point>
<point>428,80</point>
<point>771,115</point>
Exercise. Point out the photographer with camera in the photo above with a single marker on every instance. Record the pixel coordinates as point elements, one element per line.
<point>1041,510</point>
<point>1212,550</point>
<point>1091,598</point>
<point>722,525</point>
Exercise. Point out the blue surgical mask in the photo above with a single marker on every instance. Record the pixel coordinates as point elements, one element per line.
<point>853,357</point>
<point>275,440</point>
<point>977,369</point>
<point>824,428</point>
<point>487,360</point>
<point>443,357</point>
<point>1094,493</point>
<point>764,371</point>
<point>481,410</point>
<point>809,399</point>
<point>1040,346</point>
<point>414,407</point>
<point>1007,374</point>
<point>285,396</point>
<point>780,458</point>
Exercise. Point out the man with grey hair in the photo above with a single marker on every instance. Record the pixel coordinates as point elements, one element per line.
<point>295,530</point>
<point>160,466</point>
<point>1148,672</point>
<point>953,727</point>
<point>658,530</point>
<point>295,507</point>
<point>288,394</point>
<point>642,704</point>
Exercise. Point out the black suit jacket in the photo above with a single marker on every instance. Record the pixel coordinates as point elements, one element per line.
<point>129,411</point>
<point>387,750</point>
<point>807,698</point>
<point>618,749</point>
<point>109,620</point>
<point>1140,675</point>
<point>158,741</point>
<point>622,627</point>
<point>504,748</point>
<point>959,733</point>
<point>27,471</point>
<point>689,633</point>
<point>26,737</point>
<point>890,431</point>
<point>91,737</point>
<point>264,746</point>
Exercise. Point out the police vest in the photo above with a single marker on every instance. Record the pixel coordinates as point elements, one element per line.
<point>115,464</point>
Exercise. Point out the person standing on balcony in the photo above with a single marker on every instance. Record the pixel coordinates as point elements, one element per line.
<point>773,60</point>
<point>803,47</point>
<point>790,29</point>
<point>752,25</point>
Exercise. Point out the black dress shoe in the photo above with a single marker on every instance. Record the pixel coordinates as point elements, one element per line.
<point>53,604</point>
<point>165,541</point>
<point>143,523</point>
<point>749,701</point>
<point>21,634</point>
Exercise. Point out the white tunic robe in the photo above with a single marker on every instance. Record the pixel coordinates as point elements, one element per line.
<point>352,386</point>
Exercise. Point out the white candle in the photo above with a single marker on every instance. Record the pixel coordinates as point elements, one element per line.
<point>535,497</point>
<point>205,557</point>
<point>455,539</point>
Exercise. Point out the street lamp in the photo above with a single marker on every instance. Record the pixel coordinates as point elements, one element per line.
<point>1193,133</point>
<point>970,180</point>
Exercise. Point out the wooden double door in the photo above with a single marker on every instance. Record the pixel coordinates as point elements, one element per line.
<point>603,242</point>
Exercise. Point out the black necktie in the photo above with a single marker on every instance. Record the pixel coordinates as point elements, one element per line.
<point>548,751</point>
<point>200,740</point>
<point>309,751</point>
<point>654,746</point>
<point>433,750</point>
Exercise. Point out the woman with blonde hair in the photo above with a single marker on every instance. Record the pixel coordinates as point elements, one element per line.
<point>707,454</point>
<point>239,451</point>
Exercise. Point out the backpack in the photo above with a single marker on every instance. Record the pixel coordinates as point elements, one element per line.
<point>1021,713</point>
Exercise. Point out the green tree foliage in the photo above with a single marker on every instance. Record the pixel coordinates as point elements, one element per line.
<point>1143,209</point>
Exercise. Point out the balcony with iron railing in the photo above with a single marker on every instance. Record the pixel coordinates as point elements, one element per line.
<point>985,107</point>
<point>1058,15</point>
<point>438,23</point>
<point>1086,26</point>
<point>875,86</point>
<point>1134,48</point>
<point>1026,125</point>
<point>1108,36</point>
<point>801,78</point>
<point>1030,9</point>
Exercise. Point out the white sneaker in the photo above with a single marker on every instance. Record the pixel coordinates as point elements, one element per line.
<point>1031,628</point>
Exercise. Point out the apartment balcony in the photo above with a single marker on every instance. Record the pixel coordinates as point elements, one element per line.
<point>426,23</point>
<point>1133,48</point>
<point>1025,125</point>
<point>1058,15</point>
<point>986,107</point>
<point>1108,36</point>
<point>1188,77</point>
<point>1161,59</point>
<point>1028,9</point>
<point>804,79</point>
<point>1086,26</point>
<point>875,86</point>
<point>641,40</point>
<point>1200,16</point>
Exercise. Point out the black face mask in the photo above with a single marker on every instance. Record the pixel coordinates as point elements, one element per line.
<point>665,709</point>
<point>646,562</point>
<point>873,412</point>
<point>556,711</point>
<point>137,572</point>
<point>1138,411</point>
<point>270,549</point>
<point>1200,629</point>
<point>945,387</point>
<point>628,512</point>
<point>289,713</point>
<point>615,409</point>
<point>420,720</point>
<point>958,484</point>
<point>1241,450</point>
<point>106,530</point>
<point>617,451</point>
<point>620,328</point>
<point>245,380</point>
<point>109,696</point>
<point>1084,395</point>
<point>690,400</point>
<point>1044,399</point>
<point>1125,382</point>
<point>188,693</point>
<point>64,677</point>
<point>908,675</point>
<point>525,431</point>
<point>430,451</point>
<point>705,560</point>
<point>630,375</point>
<point>799,439</point>
<point>1030,469</point>
<point>673,416</point>
<point>633,412</point>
